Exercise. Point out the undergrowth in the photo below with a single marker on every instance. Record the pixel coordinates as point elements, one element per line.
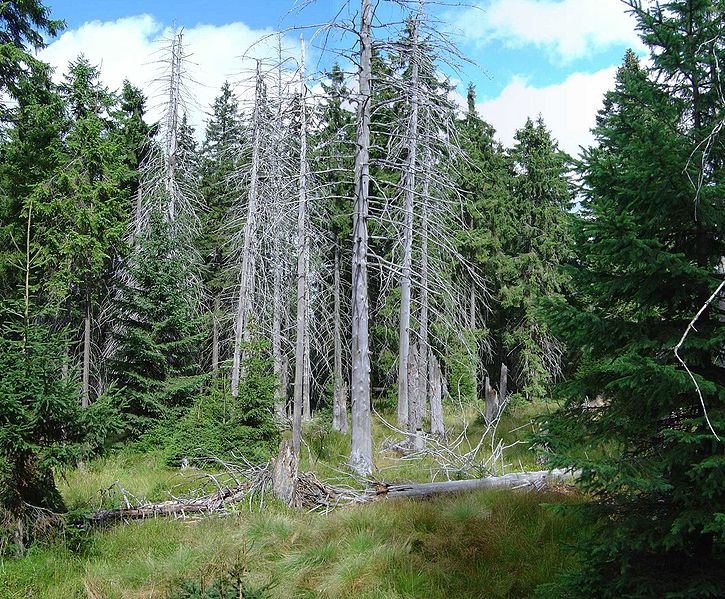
<point>486,544</point>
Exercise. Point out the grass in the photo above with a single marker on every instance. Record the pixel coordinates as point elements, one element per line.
<point>327,452</point>
<point>485,544</point>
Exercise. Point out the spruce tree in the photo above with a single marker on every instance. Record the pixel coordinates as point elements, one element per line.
<point>22,25</point>
<point>84,207</point>
<point>219,160</point>
<point>540,199</point>
<point>156,362</point>
<point>649,244</point>
<point>487,235</point>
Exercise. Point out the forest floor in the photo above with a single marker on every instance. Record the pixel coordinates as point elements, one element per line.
<point>480,544</point>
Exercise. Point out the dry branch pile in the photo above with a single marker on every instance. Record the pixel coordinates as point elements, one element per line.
<point>222,493</point>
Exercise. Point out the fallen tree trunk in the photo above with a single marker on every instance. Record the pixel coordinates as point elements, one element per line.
<point>305,491</point>
<point>535,480</point>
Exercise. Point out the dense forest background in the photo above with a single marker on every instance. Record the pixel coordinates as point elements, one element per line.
<point>340,245</point>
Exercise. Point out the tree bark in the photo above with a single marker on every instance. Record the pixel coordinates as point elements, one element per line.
<point>86,387</point>
<point>172,125</point>
<point>408,215</point>
<point>339,409</point>
<point>436,398</point>
<point>415,414</point>
<point>424,351</point>
<point>285,470</point>
<point>361,457</point>
<point>502,387</point>
<point>516,479</point>
<point>246,283</point>
<point>302,248</point>
<point>491,412</point>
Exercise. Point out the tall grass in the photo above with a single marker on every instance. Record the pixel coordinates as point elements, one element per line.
<point>485,544</point>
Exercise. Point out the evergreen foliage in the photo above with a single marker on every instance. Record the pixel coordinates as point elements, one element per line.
<point>217,425</point>
<point>649,243</point>
<point>541,197</point>
<point>156,360</point>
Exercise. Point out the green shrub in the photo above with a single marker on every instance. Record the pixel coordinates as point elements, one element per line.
<point>222,426</point>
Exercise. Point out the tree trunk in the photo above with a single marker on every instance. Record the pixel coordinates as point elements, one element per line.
<point>408,215</point>
<point>361,457</point>
<point>502,387</point>
<point>424,351</point>
<point>472,327</point>
<point>339,409</point>
<point>285,470</point>
<point>491,412</point>
<point>302,249</point>
<point>415,414</point>
<point>533,480</point>
<point>215,337</point>
<point>246,283</point>
<point>86,388</point>
<point>172,125</point>
<point>436,398</point>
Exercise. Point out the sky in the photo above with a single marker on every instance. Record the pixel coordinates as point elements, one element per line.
<point>551,57</point>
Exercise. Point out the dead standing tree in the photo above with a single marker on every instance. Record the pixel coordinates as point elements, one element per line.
<point>301,399</point>
<point>424,149</point>
<point>361,457</point>
<point>247,275</point>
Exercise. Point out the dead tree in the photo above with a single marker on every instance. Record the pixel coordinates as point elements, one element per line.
<point>409,172</point>
<point>247,275</point>
<point>302,343</point>
<point>361,457</point>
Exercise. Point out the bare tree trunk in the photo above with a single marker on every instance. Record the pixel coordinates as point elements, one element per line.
<point>339,409</point>
<point>279,393</point>
<point>436,397</point>
<point>302,249</point>
<point>415,413</point>
<point>491,412</point>
<point>284,383</point>
<point>173,124</point>
<point>361,457</point>
<point>408,215</point>
<point>502,388</point>
<point>277,284</point>
<point>86,388</point>
<point>424,351</point>
<point>215,337</point>
<point>246,283</point>
<point>472,327</point>
<point>306,394</point>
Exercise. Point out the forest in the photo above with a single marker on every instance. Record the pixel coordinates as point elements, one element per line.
<point>344,342</point>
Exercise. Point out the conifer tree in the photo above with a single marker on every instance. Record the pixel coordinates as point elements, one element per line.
<point>648,247</point>
<point>22,25</point>
<point>488,231</point>
<point>219,160</point>
<point>156,360</point>
<point>541,197</point>
<point>84,206</point>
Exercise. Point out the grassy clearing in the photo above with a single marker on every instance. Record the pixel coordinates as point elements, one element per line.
<point>326,452</point>
<point>486,544</point>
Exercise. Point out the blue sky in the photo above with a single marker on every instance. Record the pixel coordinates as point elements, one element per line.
<point>556,57</point>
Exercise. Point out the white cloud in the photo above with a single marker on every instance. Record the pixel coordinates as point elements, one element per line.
<point>130,48</point>
<point>569,108</point>
<point>567,29</point>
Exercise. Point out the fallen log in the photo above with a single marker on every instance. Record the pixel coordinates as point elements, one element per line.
<point>309,493</point>
<point>534,480</point>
